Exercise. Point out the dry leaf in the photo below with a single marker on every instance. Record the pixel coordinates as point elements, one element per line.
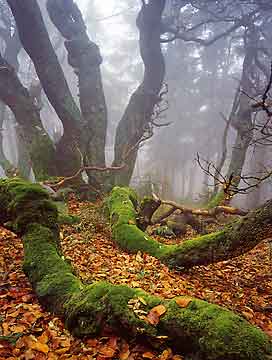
<point>125,352</point>
<point>183,302</point>
<point>148,355</point>
<point>166,354</point>
<point>154,315</point>
<point>40,347</point>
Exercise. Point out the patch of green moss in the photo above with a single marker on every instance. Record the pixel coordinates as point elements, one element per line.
<point>24,203</point>
<point>103,304</point>
<point>68,219</point>
<point>216,200</point>
<point>131,238</point>
<point>42,154</point>
<point>214,333</point>
<point>47,270</point>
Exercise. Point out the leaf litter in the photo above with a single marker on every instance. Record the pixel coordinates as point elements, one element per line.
<point>27,331</point>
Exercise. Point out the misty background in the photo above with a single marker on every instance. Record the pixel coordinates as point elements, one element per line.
<point>200,86</point>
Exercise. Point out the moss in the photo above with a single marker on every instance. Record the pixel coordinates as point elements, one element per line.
<point>214,333</point>
<point>131,238</point>
<point>216,200</point>
<point>235,239</point>
<point>202,330</point>
<point>42,153</point>
<point>50,274</point>
<point>68,219</point>
<point>26,203</point>
<point>103,304</point>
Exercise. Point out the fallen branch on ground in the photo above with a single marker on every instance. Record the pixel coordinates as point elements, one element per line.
<point>235,239</point>
<point>193,326</point>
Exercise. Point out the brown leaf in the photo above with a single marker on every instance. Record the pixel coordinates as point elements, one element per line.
<point>183,302</point>
<point>148,355</point>
<point>154,315</point>
<point>125,352</point>
<point>107,351</point>
<point>40,347</point>
<point>166,354</point>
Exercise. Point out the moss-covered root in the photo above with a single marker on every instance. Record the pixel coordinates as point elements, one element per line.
<point>200,329</point>
<point>235,239</point>
<point>206,331</point>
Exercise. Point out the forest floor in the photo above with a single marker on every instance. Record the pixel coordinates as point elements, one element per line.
<point>27,331</point>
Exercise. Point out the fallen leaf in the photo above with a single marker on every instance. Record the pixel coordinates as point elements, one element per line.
<point>148,355</point>
<point>154,315</point>
<point>183,302</point>
<point>166,354</point>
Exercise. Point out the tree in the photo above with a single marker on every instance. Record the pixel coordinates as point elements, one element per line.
<point>82,132</point>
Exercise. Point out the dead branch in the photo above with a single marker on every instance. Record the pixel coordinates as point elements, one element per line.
<point>68,180</point>
<point>205,212</point>
<point>230,185</point>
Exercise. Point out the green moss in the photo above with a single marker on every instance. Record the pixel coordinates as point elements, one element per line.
<point>216,200</point>
<point>103,304</point>
<point>50,274</point>
<point>26,203</point>
<point>215,333</point>
<point>42,154</point>
<point>202,330</point>
<point>68,219</point>
<point>131,238</point>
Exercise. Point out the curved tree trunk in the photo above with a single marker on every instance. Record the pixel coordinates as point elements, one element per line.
<point>84,56</point>
<point>136,119</point>
<point>36,42</point>
<point>195,327</point>
<point>30,134</point>
<point>235,239</point>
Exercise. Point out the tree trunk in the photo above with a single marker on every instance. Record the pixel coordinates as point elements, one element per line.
<point>30,133</point>
<point>136,119</point>
<point>6,165</point>
<point>36,42</point>
<point>84,56</point>
<point>241,121</point>
<point>256,167</point>
<point>234,240</point>
<point>203,330</point>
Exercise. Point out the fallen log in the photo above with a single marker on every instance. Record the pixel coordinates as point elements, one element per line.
<point>203,330</point>
<point>235,239</point>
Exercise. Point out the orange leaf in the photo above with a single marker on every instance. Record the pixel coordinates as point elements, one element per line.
<point>107,351</point>
<point>40,347</point>
<point>43,338</point>
<point>154,315</point>
<point>183,302</point>
<point>148,355</point>
<point>124,353</point>
<point>166,354</point>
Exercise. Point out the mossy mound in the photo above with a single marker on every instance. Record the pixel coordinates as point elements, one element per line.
<point>203,330</point>
<point>235,238</point>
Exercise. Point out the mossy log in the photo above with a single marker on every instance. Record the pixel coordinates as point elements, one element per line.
<point>200,329</point>
<point>235,239</point>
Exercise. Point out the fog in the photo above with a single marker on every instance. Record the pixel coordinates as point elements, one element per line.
<point>200,86</point>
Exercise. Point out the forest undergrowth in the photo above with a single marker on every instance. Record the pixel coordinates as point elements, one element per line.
<point>27,331</point>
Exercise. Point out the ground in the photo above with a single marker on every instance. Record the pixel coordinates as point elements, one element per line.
<point>243,285</point>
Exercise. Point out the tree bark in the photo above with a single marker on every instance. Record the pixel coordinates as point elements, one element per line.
<point>36,42</point>
<point>136,119</point>
<point>6,165</point>
<point>235,239</point>
<point>84,56</point>
<point>30,132</point>
<point>200,329</point>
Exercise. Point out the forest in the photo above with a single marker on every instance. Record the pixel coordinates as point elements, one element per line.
<point>136,179</point>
